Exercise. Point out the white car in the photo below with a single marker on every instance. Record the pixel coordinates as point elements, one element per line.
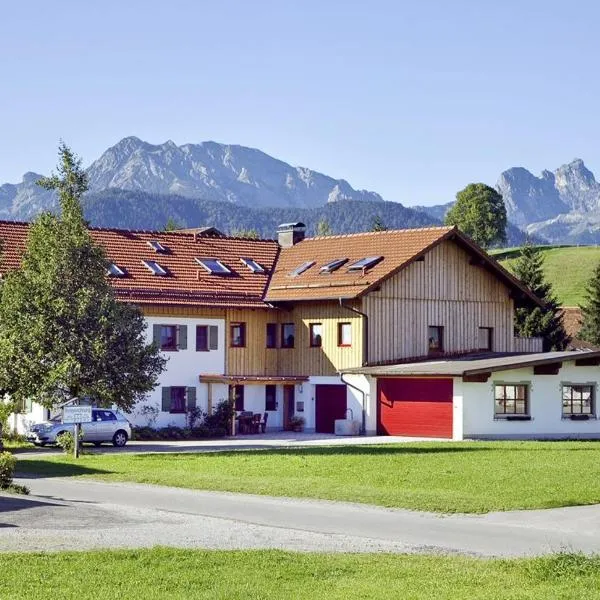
<point>106,426</point>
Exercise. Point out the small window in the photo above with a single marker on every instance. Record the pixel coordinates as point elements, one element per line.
<point>253,265</point>
<point>168,337</point>
<point>157,246</point>
<point>577,400</point>
<point>271,335</point>
<point>288,334</point>
<point>316,335</point>
<point>486,338</point>
<point>107,415</point>
<point>302,268</point>
<point>365,263</point>
<point>435,337</point>
<point>155,268</point>
<point>270,397</point>
<point>344,334</point>
<point>202,338</point>
<point>334,265</point>
<point>177,400</point>
<point>511,400</point>
<point>236,393</point>
<point>213,266</point>
<point>115,271</point>
<point>238,335</point>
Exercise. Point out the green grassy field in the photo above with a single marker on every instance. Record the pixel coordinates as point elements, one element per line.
<point>567,269</point>
<point>166,574</point>
<point>449,477</point>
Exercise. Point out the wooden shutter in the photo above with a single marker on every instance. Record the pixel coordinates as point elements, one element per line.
<point>213,335</point>
<point>156,334</point>
<point>166,399</point>
<point>190,397</point>
<point>182,337</point>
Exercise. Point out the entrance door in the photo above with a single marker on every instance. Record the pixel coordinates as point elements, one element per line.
<point>330,404</point>
<point>288,405</point>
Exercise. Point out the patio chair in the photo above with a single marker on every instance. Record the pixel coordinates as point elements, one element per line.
<point>263,423</point>
<point>255,425</point>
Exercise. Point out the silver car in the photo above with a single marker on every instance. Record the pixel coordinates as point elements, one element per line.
<point>107,426</point>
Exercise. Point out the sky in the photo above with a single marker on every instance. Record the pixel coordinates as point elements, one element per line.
<point>413,100</point>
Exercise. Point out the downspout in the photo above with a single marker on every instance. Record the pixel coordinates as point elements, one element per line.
<point>365,361</point>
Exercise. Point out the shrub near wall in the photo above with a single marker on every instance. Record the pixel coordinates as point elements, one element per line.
<point>7,471</point>
<point>177,433</point>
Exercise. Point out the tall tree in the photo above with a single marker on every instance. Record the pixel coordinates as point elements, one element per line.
<point>544,322</point>
<point>479,212</point>
<point>378,224</point>
<point>62,332</point>
<point>590,310</point>
<point>323,228</point>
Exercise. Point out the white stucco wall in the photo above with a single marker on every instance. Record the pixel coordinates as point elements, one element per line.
<point>545,405</point>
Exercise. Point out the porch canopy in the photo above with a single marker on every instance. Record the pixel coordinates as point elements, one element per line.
<point>478,368</point>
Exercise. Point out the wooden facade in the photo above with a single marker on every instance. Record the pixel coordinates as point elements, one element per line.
<point>445,290</point>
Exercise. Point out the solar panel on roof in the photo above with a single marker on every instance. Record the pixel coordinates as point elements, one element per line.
<point>303,267</point>
<point>365,263</point>
<point>253,265</point>
<point>115,271</point>
<point>155,267</point>
<point>213,266</point>
<point>334,265</point>
<point>156,246</point>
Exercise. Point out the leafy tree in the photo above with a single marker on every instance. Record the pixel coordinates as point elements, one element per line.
<point>323,228</point>
<point>590,310</point>
<point>378,224</point>
<point>172,225</point>
<point>479,212</point>
<point>544,322</point>
<point>63,334</point>
<point>251,234</point>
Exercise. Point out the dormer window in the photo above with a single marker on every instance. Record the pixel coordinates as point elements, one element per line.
<point>157,246</point>
<point>115,271</point>
<point>334,265</point>
<point>252,265</point>
<point>302,268</point>
<point>365,263</point>
<point>155,268</point>
<point>213,266</point>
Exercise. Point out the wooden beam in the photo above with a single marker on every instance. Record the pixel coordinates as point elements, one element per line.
<point>547,369</point>
<point>588,362</point>
<point>209,405</point>
<point>476,377</point>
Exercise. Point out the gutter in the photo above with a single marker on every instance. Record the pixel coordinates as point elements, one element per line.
<point>365,323</point>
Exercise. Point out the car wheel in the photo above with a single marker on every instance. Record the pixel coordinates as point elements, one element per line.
<point>120,438</point>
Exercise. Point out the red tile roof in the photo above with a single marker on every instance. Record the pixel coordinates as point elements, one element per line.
<point>187,282</point>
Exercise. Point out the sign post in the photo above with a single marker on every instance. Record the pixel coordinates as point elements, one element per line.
<point>77,415</point>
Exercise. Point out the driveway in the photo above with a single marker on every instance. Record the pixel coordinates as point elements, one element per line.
<point>65,513</point>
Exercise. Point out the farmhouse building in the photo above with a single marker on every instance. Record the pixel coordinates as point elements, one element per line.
<point>405,332</point>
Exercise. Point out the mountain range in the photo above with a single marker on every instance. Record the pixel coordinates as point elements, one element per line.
<point>139,185</point>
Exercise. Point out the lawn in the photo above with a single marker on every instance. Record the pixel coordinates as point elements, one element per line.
<point>162,573</point>
<point>567,269</point>
<point>468,477</point>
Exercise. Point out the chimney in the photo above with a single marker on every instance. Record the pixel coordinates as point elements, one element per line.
<point>289,234</point>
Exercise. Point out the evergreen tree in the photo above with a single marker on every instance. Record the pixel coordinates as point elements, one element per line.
<point>172,225</point>
<point>378,224</point>
<point>63,334</point>
<point>323,228</point>
<point>543,322</point>
<point>590,310</point>
<point>479,211</point>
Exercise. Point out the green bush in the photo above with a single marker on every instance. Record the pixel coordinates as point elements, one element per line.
<point>7,469</point>
<point>220,419</point>
<point>145,433</point>
<point>66,441</point>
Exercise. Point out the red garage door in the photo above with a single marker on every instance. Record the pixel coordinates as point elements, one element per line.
<point>330,404</point>
<point>416,407</point>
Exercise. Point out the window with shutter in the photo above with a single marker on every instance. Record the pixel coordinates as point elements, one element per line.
<point>201,338</point>
<point>182,337</point>
<point>213,334</point>
<point>166,399</point>
<point>190,398</point>
<point>177,400</point>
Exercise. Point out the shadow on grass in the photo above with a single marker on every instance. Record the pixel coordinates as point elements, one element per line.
<point>34,469</point>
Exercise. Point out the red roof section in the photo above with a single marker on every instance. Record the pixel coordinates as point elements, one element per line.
<point>187,282</point>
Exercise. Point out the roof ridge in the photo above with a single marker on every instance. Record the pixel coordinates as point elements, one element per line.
<point>374,233</point>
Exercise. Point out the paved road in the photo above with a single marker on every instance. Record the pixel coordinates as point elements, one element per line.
<point>76,514</point>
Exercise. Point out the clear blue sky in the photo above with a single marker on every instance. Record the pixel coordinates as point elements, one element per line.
<point>411,99</point>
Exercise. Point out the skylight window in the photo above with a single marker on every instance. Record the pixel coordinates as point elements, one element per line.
<point>303,267</point>
<point>155,267</point>
<point>157,246</point>
<point>253,265</point>
<point>334,265</point>
<point>115,271</point>
<point>365,263</point>
<point>213,266</point>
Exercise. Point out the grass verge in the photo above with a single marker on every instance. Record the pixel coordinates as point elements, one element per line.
<point>469,477</point>
<point>163,573</point>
